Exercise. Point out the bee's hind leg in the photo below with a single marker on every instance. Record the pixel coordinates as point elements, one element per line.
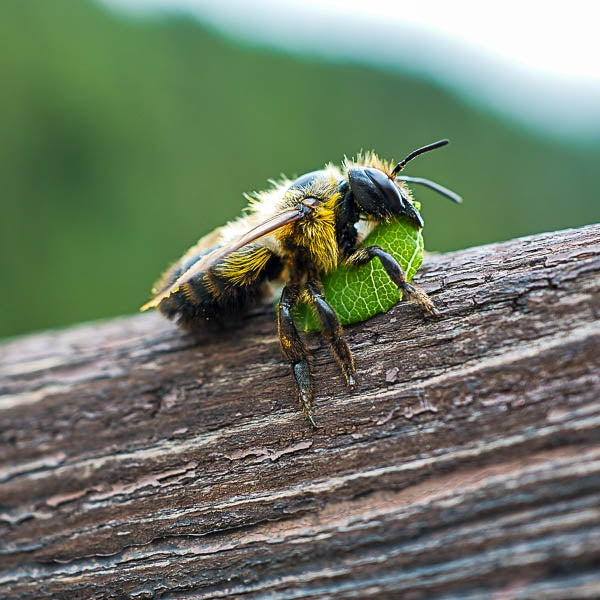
<point>333,332</point>
<point>294,349</point>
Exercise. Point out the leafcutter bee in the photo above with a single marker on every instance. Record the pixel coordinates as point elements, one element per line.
<point>296,232</point>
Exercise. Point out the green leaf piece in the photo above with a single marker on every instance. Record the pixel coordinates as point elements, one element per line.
<point>358,293</point>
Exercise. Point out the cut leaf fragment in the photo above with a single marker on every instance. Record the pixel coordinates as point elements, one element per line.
<point>359,293</point>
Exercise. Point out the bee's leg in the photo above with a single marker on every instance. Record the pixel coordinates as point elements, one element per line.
<point>332,330</point>
<point>294,349</point>
<point>362,256</point>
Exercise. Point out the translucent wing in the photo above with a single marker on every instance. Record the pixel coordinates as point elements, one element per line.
<point>209,260</point>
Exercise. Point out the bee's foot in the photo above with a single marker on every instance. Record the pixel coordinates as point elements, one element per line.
<point>310,417</point>
<point>351,381</point>
<point>417,295</point>
<point>306,406</point>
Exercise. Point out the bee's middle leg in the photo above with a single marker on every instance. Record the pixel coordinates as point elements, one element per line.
<point>333,331</point>
<point>294,349</point>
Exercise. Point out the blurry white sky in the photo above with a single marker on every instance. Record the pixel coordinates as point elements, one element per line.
<point>536,60</point>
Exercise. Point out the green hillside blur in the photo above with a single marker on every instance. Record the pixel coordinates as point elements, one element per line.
<point>123,141</point>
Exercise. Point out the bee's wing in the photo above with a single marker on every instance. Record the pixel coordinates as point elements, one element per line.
<point>209,260</point>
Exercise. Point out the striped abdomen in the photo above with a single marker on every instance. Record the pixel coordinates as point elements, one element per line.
<point>230,287</point>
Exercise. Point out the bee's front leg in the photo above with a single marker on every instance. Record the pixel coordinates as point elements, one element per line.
<point>294,349</point>
<point>332,330</point>
<point>362,256</point>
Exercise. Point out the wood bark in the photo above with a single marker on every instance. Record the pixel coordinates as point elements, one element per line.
<point>137,461</point>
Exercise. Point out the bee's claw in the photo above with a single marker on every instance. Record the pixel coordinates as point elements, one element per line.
<point>351,381</point>
<point>309,416</point>
<point>306,406</point>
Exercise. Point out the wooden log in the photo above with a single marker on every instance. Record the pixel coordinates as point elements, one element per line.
<point>140,462</point>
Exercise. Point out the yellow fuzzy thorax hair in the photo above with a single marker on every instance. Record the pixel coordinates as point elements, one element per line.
<point>316,234</point>
<point>369,159</point>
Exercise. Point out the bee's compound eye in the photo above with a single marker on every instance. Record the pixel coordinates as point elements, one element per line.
<point>371,189</point>
<point>379,178</point>
<point>378,195</point>
<point>392,197</point>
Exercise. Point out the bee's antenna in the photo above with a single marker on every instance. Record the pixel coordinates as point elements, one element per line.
<point>416,153</point>
<point>432,185</point>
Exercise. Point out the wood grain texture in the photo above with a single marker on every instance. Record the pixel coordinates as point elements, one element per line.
<point>140,462</point>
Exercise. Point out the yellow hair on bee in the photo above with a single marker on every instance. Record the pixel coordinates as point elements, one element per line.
<point>188,292</point>
<point>318,233</point>
<point>370,159</point>
<point>243,267</point>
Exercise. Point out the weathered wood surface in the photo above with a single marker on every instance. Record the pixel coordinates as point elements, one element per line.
<point>138,462</point>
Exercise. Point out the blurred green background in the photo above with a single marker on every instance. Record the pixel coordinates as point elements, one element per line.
<point>124,140</point>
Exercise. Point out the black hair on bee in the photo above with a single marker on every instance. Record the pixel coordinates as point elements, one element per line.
<point>297,232</point>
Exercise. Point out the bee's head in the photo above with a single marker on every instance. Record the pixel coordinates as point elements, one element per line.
<point>382,196</point>
<point>377,195</point>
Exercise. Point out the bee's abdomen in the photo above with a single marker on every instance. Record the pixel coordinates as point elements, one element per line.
<point>196,303</point>
<point>229,288</point>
